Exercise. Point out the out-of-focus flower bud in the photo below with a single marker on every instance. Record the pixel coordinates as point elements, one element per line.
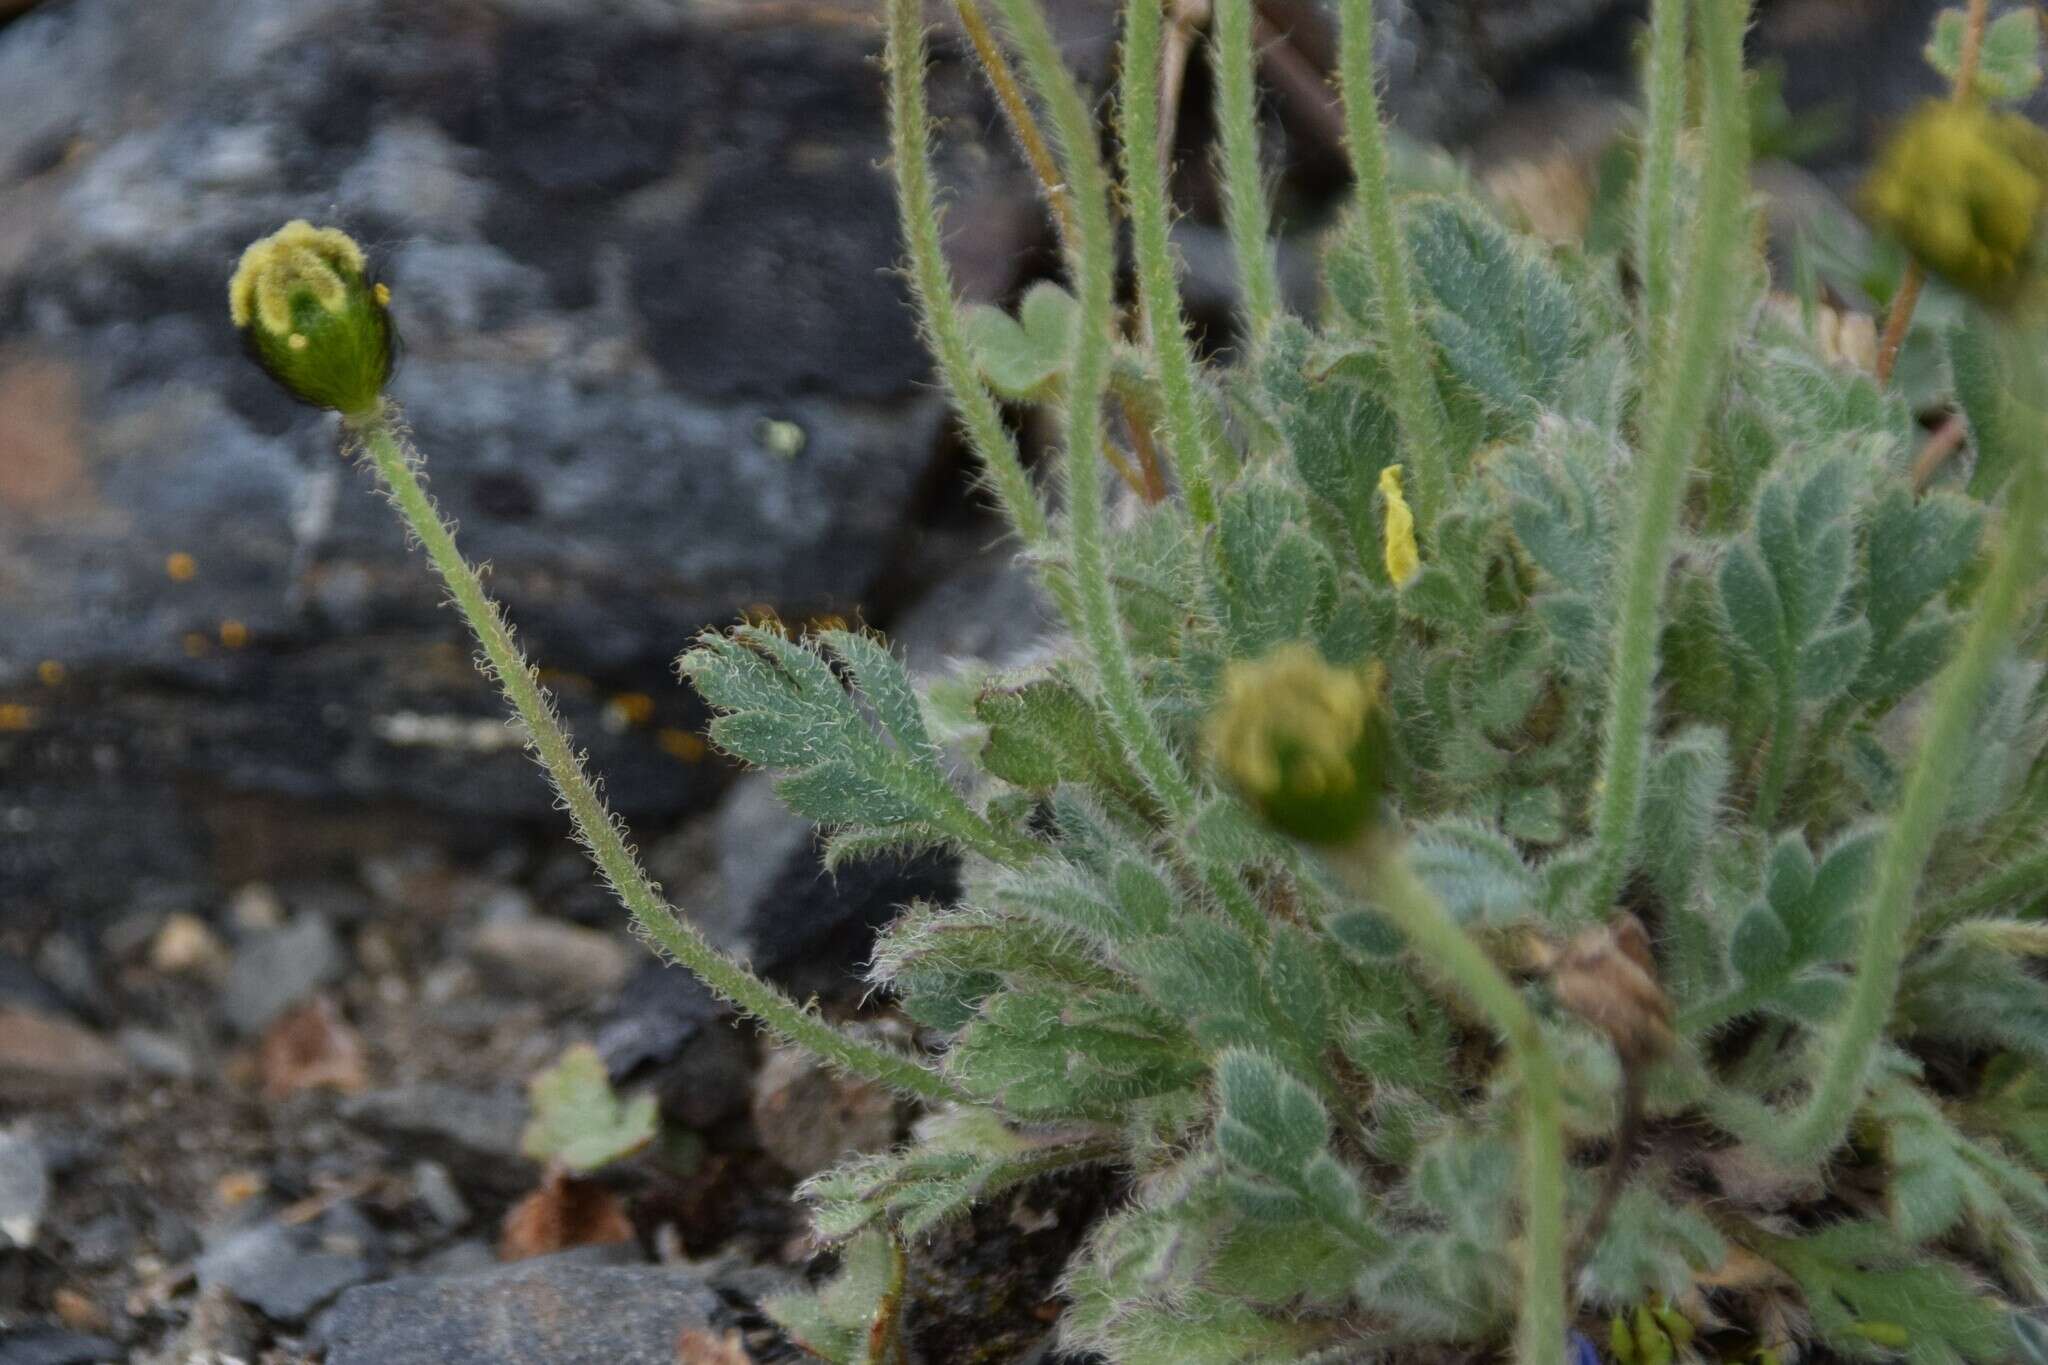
<point>1305,743</point>
<point>1963,187</point>
<point>312,317</point>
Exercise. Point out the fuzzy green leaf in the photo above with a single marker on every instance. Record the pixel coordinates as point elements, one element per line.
<point>1477,874</point>
<point>832,1322</point>
<point>2008,63</point>
<point>1504,320</point>
<point>1867,1290</point>
<point>1023,358</point>
<point>1338,432</point>
<point>578,1122</point>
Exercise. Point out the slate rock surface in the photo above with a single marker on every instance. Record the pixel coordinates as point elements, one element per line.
<point>549,1311</point>
<point>653,349</point>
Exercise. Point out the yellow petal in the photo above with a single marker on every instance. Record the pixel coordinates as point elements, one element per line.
<point>1404,560</point>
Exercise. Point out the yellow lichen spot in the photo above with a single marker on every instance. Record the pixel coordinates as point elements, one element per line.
<point>50,673</point>
<point>15,717</point>
<point>233,634</point>
<point>195,645</point>
<point>1404,560</point>
<point>681,745</point>
<point>382,293</point>
<point>297,341</point>
<point>180,567</point>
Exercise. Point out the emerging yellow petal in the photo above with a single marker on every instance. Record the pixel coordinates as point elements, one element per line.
<point>1404,560</point>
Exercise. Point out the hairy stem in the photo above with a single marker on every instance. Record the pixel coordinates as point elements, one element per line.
<point>1158,287</point>
<point>1087,380</point>
<point>1386,880</point>
<point>1418,410</point>
<point>1244,186</point>
<point>1657,213</point>
<point>395,463</point>
<point>1784,743</point>
<point>1944,746</point>
<point>931,280</point>
<point>1681,386</point>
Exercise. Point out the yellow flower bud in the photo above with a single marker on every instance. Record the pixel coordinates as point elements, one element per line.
<point>1305,743</point>
<point>1964,188</point>
<point>313,319</point>
<point>1404,561</point>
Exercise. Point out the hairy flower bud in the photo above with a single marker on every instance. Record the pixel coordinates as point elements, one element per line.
<point>1964,188</point>
<point>1304,742</point>
<point>310,315</point>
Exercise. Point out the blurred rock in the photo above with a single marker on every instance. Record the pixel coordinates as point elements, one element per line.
<point>624,246</point>
<point>808,1116</point>
<point>534,956</point>
<point>157,1054</point>
<point>771,901</point>
<point>24,1188</point>
<point>474,1133</point>
<point>992,611</point>
<point>286,1272</point>
<point>218,1330</point>
<point>186,944</point>
<point>55,1346</point>
<point>46,1057</point>
<point>556,1310</point>
<point>436,1192</point>
<point>276,970</point>
<point>666,1031</point>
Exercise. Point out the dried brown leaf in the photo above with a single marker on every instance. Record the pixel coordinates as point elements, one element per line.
<point>312,1048</point>
<point>563,1213</point>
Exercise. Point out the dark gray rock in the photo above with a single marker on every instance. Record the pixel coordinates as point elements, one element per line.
<point>474,1133</point>
<point>667,1032</point>
<point>632,252</point>
<point>54,1346</point>
<point>771,900</point>
<point>287,1272</point>
<point>548,1311</point>
<point>275,970</point>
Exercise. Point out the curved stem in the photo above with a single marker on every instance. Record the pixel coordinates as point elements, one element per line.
<point>1158,287</point>
<point>1087,380</point>
<point>1681,388</point>
<point>1017,113</point>
<point>1387,881</point>
<point>390,454</point>
<point>1244,187</point>
<point>1657,213</point>
<point>1418,410</point>
<point>932,281</point>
